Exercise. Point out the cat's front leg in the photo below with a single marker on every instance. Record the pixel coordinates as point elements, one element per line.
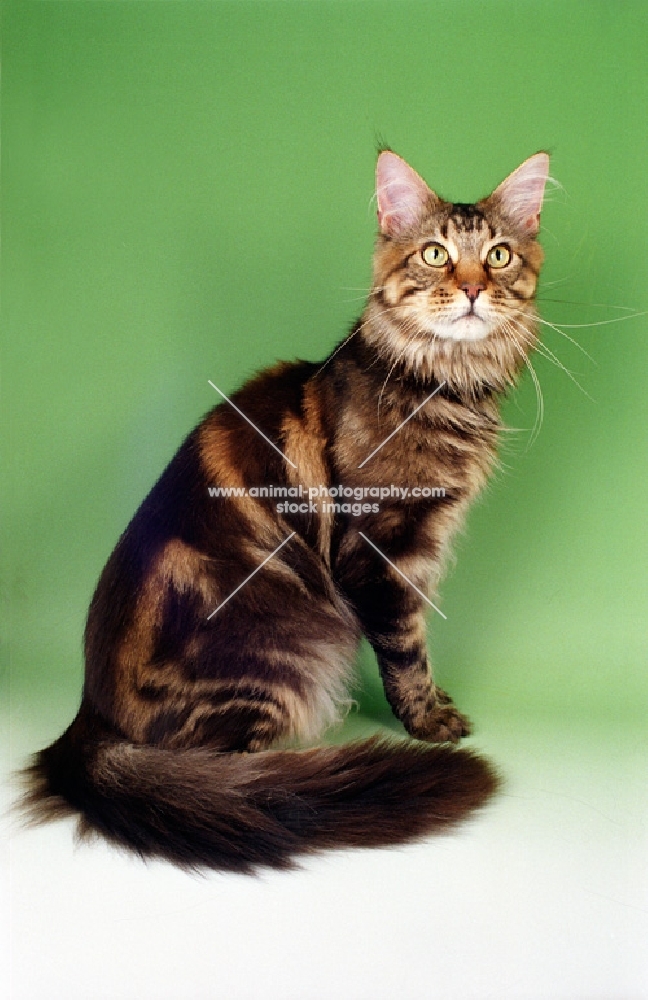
<point>392,616</point>
<point>425,710</point>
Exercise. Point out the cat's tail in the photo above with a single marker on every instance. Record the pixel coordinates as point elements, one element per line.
<point>239,812</point>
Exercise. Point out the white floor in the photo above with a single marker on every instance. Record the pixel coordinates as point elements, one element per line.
<point>544,895</point>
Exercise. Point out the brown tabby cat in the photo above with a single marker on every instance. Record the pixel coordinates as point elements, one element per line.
<point>224,626</point>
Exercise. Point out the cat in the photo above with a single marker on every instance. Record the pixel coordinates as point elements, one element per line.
<point>221,633</point>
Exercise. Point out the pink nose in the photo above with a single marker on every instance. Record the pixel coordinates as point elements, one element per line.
<point>472,291</point>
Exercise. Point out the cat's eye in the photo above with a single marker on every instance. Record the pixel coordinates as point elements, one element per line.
<point>498,256</point>
<point>435,255</point>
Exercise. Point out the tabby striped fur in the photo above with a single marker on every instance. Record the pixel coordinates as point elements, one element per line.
<point>184,743</point>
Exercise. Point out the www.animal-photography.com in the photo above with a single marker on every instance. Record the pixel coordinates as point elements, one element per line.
<point>324,332</point>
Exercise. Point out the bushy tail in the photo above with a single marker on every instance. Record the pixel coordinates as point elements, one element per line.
<point>239,812</point>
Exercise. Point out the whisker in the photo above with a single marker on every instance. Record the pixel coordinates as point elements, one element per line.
<point>556,281</point>
<point>410,329</point>
<point>340,346</point>
<point>536,345</point>
<point>604,322</point>
<point>539,417</point>
<point>358,329</point>
<point>562,333</point>
<point>550,356</point>
<point>384,385</point>
<point>546,322</point>
<point>598,305</point>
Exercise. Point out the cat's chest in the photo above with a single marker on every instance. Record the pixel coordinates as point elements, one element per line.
<point>416,454</point>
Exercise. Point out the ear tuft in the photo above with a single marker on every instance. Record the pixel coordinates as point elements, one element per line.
<point>520,195</point>
<point>401,195</point>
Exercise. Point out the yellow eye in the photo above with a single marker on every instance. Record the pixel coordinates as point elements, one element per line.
<point>435,255</point>
<point>498,256</point>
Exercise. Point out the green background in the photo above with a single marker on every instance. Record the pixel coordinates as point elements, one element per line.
<point>187,196</point>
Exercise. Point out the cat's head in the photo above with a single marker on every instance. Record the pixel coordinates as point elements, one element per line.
<point>457,272</point>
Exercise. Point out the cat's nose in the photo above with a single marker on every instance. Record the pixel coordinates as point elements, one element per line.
<point>472,291</point>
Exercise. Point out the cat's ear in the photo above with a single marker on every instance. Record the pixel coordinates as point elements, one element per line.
<point>401,195</point>
<point>520,195</point>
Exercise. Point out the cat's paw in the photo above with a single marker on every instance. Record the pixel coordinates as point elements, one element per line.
<point>442,696</point>
<point>443,724</point>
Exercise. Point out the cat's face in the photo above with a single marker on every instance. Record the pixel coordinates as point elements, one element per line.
<point>452,271</point>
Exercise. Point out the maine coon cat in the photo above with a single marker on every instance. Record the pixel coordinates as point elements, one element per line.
<point>222,631</point>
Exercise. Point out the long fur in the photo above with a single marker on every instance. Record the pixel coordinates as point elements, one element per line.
<point>239,812</point>
<point>222,629</point>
